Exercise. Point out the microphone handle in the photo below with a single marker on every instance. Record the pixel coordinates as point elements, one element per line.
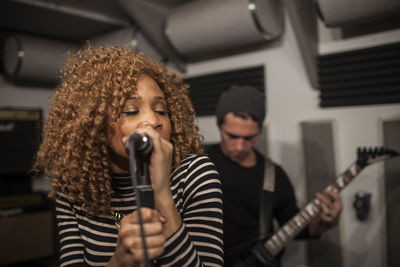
<point>147,200</point>
<point>146,196</point>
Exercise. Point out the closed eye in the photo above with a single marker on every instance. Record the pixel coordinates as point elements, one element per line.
<point>130,112</point>
<point>247,138</point>
<point>161,112</point>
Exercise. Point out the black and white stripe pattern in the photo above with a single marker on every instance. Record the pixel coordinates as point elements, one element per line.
<point>196,190</point>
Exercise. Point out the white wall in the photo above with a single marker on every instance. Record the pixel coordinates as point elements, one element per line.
<point>291,100</point>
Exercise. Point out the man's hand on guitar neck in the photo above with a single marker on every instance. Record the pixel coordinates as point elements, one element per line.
<point>331,208</point>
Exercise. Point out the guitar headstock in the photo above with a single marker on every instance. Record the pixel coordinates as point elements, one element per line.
<point>366,156</point>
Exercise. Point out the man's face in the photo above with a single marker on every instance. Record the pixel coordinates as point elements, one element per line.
<point>238,137</point>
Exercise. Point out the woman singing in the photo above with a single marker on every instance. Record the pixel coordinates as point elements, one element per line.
<point>106,94</point>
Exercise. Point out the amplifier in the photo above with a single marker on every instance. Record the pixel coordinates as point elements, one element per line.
<point>23,201</point>
<point>20,131</point>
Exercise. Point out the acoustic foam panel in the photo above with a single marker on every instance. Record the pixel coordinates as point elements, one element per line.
<point>319,159</point>
<point>391,133</point>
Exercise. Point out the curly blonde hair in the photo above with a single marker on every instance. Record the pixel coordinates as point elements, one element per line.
<point>95,83</point>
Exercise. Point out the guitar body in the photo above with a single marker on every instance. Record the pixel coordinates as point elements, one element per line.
<point>234,255</point>
<point>245,255</point>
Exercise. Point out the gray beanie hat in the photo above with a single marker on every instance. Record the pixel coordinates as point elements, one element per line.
<point>245,99</point>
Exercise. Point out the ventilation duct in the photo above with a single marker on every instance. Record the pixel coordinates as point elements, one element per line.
<point>150,16</point>
<point>204,27</point>
<point>130,37</point>
<point>32,59</point>
<point>339,13</point>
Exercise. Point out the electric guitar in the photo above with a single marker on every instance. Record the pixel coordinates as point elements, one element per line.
<point>266,251</point>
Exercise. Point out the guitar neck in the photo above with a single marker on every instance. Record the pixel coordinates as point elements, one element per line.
<point>295,225</point>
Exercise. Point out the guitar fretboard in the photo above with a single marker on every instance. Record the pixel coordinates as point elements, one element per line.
<point>293,227</point>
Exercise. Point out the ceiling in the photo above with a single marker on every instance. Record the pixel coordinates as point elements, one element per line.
<point>81,20</point>
<point>73,20</point>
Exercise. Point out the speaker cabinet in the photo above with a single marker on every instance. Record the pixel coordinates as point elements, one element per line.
<point>20,131</point>
<point>27,237</point>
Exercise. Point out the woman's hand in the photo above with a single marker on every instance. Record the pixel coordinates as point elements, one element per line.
<point>160,169</point>
<point>160,160</point>
<point>130,250</point>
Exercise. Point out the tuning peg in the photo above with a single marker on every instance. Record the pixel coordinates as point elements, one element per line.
<point>363,150</point>
<point>394,153</point>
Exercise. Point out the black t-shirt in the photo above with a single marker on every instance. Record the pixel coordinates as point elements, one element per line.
<point>241,188</point>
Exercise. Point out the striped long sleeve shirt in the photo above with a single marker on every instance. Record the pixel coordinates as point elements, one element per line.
<point>196,190</point>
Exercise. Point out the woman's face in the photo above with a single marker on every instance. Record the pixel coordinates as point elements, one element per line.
<point>146,107</point>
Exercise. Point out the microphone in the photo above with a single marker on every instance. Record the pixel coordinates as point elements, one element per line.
<point>142,143</point>
<point>142,146</point>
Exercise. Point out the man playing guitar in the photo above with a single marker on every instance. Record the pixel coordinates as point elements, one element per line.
<point>240,113</point>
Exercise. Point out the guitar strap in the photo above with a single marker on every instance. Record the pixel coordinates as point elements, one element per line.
<point>259,256</point>
<point>266,199</point>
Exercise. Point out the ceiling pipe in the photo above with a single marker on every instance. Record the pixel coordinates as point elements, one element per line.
<point>151,18</point>
<point>78,11</point>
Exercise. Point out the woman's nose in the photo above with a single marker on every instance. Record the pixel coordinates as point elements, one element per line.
<point>151,119</point>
